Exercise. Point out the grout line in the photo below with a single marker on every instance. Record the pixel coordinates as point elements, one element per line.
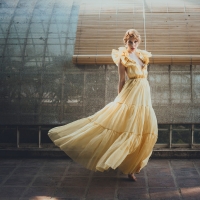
<point>62,178</point>
<point>16,167</point>
<point>196,168</point>
<point>34,177</point>
<point>64,174</point>
<point>146,181</point>
<point>174,177</point>
<point>117,185</point>
<point>87,186</point>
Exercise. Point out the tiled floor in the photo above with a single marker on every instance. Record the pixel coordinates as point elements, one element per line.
<point>62,179</point>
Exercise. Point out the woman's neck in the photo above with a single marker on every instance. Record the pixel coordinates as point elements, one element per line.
<point>129,51</point>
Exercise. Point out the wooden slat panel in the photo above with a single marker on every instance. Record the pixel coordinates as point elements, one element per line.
<point>168,29</point>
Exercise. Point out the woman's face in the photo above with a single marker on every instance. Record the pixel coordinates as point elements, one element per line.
<point>132,45</point>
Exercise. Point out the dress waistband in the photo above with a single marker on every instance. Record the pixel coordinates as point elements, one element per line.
<point>138,76</point>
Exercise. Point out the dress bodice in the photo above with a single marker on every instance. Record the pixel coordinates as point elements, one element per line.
<point>133,69</point>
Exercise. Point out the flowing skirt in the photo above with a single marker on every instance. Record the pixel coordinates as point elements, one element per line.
<point>122,134</point>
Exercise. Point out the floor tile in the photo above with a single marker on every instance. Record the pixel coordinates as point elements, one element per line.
<point>6,170</point>
<point>18,181</point>
<point>69,192</point>
<point>163,181</point>
<point>2,179</point>
<point>125,182</point>
<point>164,194</point>
<point>32,162</point>
<point>32,192</point>
<point>75,181</point>
<point>158,163</point>
<point>185,172</point>
<point>11,193</point>
<point>152,172</point>
<point>197,163</point>
<point>191,193</point>
<point>181,163</point>
<point>110,173</point>
<point>52,171</point>
<point>31,171</point>
<point>140,174</point>
<point>133,193</point>
<point>101,193</point>
<point>7,162</point>
<point>103,182</point>
<point>188,182</point>
<point>58,162</point>
<point>77,170</point>
<point>47,181</point>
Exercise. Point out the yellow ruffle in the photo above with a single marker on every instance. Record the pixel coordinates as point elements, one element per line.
<point>123,54</point>
<point>145,55</point>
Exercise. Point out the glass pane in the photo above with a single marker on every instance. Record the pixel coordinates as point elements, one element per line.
<point>163,126</point>
<point>44,134</point>
<point>181,126</point>
<point>197,137</point>
<point>181,137</point>
<point>8,134</point>
<point>163,137</point>
<point>28,134</point>
<point>197,126</point>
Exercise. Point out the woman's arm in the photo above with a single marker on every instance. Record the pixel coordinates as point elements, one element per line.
<point>121,72</point>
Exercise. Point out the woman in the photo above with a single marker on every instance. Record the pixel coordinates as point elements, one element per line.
<point>123,133</point>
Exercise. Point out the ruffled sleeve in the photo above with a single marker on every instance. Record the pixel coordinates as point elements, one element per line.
<point>115,56</point>
<point>121,53</point>
<point>145,55</point>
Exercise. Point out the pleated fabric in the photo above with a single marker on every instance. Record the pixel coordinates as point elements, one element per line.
<point>120,135</point>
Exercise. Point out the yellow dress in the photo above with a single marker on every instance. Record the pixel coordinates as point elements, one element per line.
<point>120,135</point>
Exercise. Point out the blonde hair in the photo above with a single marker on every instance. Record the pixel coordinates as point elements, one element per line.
<point>131,34</point>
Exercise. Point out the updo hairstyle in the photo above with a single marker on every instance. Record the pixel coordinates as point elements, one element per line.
<point>131,34</point>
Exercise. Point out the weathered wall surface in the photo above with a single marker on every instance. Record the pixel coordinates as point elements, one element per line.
<point>40,85</point>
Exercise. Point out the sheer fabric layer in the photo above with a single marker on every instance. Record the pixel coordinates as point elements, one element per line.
<point>122,134</point>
